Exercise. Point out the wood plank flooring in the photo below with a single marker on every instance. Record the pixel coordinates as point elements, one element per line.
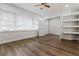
<point>48,45</point>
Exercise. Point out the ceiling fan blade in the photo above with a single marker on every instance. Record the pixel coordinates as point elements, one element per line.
<point>37,5</point>
<point>47,6</point>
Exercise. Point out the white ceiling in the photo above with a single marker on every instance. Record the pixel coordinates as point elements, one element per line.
<point>55,9</point>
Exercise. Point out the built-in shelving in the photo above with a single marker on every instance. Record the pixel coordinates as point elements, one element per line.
<point>71,32</point>
<point>70,26</point>
<point>71,20</point>
<point>71,14</point>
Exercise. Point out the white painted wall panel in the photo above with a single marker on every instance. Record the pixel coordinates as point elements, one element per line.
<point>54,26</point>
<point>43,26</point>
<point>18,35</point>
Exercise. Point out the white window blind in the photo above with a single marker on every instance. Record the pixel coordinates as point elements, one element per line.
<point>7,20</point>
<point>24,23</point>
<point>14,21</point>
<point>36,24</point>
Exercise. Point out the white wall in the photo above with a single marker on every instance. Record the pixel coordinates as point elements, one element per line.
<point>43,26</point>
<point>18,35</point>
<point>54,26</point>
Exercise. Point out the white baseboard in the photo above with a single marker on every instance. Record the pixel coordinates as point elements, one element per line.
<point>12,40</point>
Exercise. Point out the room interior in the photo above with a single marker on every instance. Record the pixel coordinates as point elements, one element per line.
<point>39,29</point>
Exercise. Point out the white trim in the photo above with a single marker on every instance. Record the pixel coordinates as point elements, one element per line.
<point>12,40</point>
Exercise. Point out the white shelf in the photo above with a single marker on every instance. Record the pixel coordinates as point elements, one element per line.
<point>71,32</point>
<point>76,13</point>
<point>71,20</point>
<point>71,26</point>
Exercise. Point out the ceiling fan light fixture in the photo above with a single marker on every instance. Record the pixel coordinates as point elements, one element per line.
<point>43,5</point>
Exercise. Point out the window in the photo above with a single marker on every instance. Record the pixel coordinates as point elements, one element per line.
<point>36,23</point>
<point>10,21</point>
<point>24,23</point>
<point>7,20</point>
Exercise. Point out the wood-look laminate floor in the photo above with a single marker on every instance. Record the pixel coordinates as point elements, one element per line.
<point>43,46</point>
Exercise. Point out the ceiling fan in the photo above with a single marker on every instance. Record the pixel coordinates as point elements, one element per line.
<point>44,5</point>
